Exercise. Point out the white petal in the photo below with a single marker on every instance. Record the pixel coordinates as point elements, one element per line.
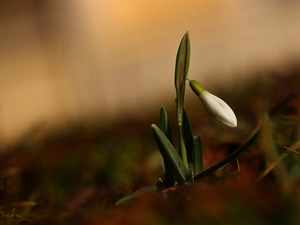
<point>218,109</point>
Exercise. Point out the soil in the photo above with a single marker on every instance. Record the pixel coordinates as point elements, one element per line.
<point>74,174</point>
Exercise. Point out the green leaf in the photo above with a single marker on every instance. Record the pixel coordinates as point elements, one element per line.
<point>188,141</point>
<point>169,154</point>
<point>165,124</point>
<point>181,71</point>
<point>187,130</point>
<point>197,150</point>
<point>231,157</point>
<point>130,198</point>
<point>169,179</point>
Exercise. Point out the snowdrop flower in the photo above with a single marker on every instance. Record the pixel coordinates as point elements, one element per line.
<point>215,106</point>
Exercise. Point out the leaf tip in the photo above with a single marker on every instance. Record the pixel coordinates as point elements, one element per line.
<point>153,126</point>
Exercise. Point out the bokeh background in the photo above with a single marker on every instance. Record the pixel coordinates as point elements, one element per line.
<point>64,61</point>
<point>81,82</point>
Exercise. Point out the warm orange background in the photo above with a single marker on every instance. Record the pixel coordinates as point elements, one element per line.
<point>61,61</point>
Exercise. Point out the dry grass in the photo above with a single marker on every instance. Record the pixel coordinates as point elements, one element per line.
<point>75,174</point>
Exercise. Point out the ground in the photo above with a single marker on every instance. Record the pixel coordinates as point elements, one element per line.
<point>74,174</point>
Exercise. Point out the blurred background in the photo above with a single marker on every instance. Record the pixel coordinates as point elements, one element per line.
<point>81,82</point>
<point>64,61</point>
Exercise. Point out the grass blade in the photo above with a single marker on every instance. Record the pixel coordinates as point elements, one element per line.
<point>130,198</point>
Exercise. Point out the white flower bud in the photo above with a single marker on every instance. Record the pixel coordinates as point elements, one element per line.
<point>215,106</point>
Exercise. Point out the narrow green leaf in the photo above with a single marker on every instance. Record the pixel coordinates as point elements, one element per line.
<point>197,150</point>
<point>182,61</point>
<point>165,124</point>
<point>169,153</point>
<point>187,134</point>
<point>188,141</point>
<point>130,198</point>
<point>169,179</point>
<point>181,71</point>
<point>231,157</point>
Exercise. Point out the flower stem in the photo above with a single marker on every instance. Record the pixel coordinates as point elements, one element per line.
<point>182,149</point>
